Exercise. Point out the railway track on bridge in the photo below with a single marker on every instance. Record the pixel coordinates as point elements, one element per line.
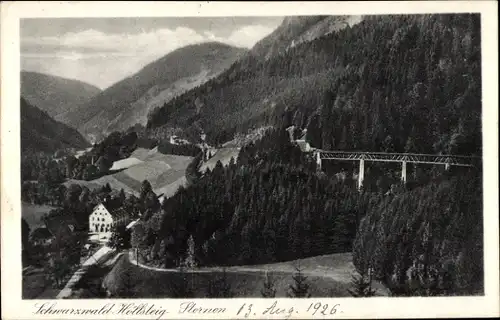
<point>403,158</point>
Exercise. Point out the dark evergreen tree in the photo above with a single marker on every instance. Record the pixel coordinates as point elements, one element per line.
<point>300,287</point>
<point>361,286</point>
<point>219,287</point>
<point>120,238</point>
<point>268,290</point>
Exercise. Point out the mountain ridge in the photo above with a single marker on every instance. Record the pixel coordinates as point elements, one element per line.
<point>119,104</point>
<point>298,29</point>
<point>56,95</point>
<point>325,84</point>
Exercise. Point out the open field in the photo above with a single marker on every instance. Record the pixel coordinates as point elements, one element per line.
<point>33,213</point>
<point>80,153</point>
<point>102,181</point>
<point>242,139</point>
<point>224,155</point>
<point>125,163</point>
<point>328,276</point>
<point>165,172</point>
<point>337,266</point>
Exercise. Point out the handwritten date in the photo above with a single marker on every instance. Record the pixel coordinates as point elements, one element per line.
<point>314,309</point>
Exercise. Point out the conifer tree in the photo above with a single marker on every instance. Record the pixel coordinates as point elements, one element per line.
<point>220,286</point>
<point>268,291</point>
<point>300,287</point>
<point>190,261</point>
<point>361,286</point>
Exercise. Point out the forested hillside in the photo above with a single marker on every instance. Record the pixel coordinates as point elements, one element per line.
<point>41,133</point>
<point>270,198</point>
<point>389,83</point>
<point>297,29</point>
<point>59,97</point>
<point>428,241</point>
<point>272,205</point>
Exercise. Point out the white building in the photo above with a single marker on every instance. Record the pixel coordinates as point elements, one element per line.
<point>177,140</point>
<point>301,142</point>
<point>102,221</point>
<point>161,198</point>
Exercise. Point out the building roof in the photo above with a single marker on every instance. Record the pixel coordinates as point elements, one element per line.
<point>41,234</point>
<point>303,134</point>
<point>119,213</point>
<point>57,223</point>
<point>105,205</point>
<point>131,224</point>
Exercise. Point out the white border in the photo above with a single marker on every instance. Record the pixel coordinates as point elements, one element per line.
<point>15,308</point>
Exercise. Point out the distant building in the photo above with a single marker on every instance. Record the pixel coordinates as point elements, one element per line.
<point>132,224</point>
<point>101,220</point>
<point>177,140</point>
<point>301,142</point>
<point>41,236</point>
<point>161,198</point>
<point>60,224</point>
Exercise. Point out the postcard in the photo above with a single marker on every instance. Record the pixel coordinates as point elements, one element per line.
<point>249,160</point>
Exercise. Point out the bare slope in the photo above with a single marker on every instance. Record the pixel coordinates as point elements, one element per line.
<point>128,101</point>
<point>223,155</point>
<point>165,173</point>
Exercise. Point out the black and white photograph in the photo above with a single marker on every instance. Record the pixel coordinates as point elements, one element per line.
<point>286,156</point>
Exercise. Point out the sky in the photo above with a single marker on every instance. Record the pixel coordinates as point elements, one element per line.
<point>103,51</point>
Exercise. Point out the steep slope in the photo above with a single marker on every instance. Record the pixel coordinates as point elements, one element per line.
<point>368,87</point>
<point>128,101</point>
<point>59,97</point>
<point>39,132</point>
<point>297,29</point>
